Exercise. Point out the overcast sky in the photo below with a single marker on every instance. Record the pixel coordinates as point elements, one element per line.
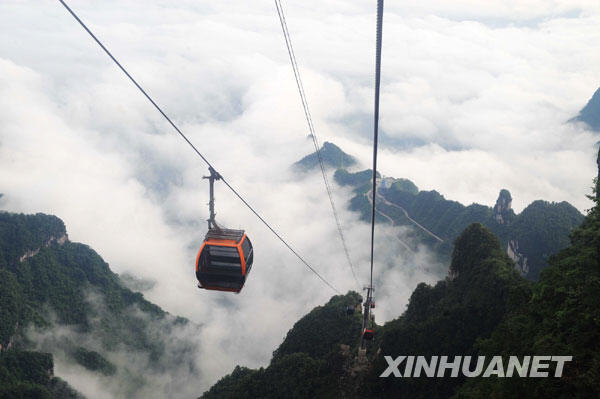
<point>475,98</point>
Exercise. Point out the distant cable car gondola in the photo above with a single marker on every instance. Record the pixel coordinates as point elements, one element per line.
<point>225,258</point>
<point>349,310</point>
<point>368,334</point>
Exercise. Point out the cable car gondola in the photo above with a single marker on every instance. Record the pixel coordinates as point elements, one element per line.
<point>225,258</point>
<point>368,334</point>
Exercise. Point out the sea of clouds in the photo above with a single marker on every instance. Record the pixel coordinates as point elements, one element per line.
<point>475,98</point>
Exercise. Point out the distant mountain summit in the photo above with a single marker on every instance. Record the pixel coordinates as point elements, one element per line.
<point>590,114</point>
<point>529,238</point>
<point>502,209</point>
<point>332,156</point>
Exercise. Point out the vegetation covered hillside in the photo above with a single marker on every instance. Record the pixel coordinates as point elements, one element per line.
<point>483,308</point>
<point>318,356</point>
<point>46,282</point>
<point>448,318</point>
<point>529,238</point>
<point>311,361</point>
<point>562,317</point>
<point>26,374</point>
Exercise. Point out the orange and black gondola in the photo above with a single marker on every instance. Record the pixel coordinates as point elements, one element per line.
<point>224,260</point>
<point>368,334</point>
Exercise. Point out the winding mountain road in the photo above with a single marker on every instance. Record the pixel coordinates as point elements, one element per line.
<point>392,222</point>
<point>369,195</point>
<point>385,201</point>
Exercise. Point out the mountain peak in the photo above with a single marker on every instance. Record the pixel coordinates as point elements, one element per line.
<point>472,247</point>
<point>332,156</point>
<point>590,114</point>
<point>503,206</point>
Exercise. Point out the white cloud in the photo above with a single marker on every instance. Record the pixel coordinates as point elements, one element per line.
<point>487,86</point>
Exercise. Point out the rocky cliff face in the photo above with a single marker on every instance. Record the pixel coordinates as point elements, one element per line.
<point>512,250</point>
<point>502,213</point>
<point>503,206</point>
<point>60,240</point>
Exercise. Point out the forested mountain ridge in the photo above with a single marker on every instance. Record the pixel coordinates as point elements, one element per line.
<point>484,307</point>
<point>47,281</point>
<point>529,238</point>
<point>25,374</point>
<point>318,356</point>
<point>314,357</point>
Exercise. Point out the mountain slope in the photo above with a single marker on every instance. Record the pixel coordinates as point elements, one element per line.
<point>540,230</point>
<point>309,362</point>
<point>317,358</point>
<point>562,318</point>
<point>61,297</point>
<point>331,155</point>
<point>30,375</point>
<point>484,308</point>
<point>448,318</point>
<point>590,114</point>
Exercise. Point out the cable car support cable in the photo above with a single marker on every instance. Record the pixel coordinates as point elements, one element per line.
<point>315,140</point>
<point>369,301</point>
<point>194,147</point>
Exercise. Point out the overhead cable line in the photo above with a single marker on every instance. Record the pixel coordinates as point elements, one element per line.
<point>368,334</point>
<point>313,135</point>
<point>194,148</point>
<point>376,124</point>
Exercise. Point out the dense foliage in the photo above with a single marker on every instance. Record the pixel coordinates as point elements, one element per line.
<point>484,307</point>
<point>562,317</point>
<point>308,363</point>
<point>21,233</point>
<point>29,375</point>
<point>94,361</point>
<point>449,317</point>
<point>61,283</point>
<point>542,229</point>
<point>324,328</point>
<point>539,231</point>
<point>61,278</point>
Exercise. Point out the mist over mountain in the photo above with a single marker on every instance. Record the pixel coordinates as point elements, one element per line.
<point>474,99</point>
<point>60,299</point>
<point>590,114</point>
<point>529,238</point>
<point>483,307</point>
<point>331,155</point>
